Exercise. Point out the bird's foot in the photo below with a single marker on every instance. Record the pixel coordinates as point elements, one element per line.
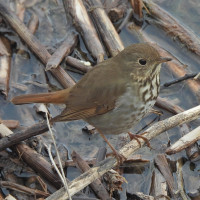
<point>135,137</point>
<point>120,158</point>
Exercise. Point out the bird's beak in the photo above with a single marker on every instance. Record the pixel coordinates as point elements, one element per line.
<point>162,59</point>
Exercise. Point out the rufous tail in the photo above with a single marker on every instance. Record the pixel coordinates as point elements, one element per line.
<point>59,97</point>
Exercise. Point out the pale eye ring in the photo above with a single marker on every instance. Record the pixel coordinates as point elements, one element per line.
<point>142,61</point>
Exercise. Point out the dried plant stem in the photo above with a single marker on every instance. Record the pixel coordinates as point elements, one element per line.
<point>64,50</point>
<point>33,159</point>
<point>62,174</point>
<point>173,28</point>
<point>85,27</point>
<point>96,185</point>
<point>22,135</point>
<point>34,44</point>
<point>23,189</point>
<point>180,181</point>
<point>105,27</point>
<point>185,141</point>
<point>48,147</point>
<point>126,19</point>
<point>104,166</point>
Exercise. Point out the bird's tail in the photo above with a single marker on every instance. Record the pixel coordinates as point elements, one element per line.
<point>59,97</point>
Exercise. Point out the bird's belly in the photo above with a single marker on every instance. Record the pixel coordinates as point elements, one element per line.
<point>129,110</point>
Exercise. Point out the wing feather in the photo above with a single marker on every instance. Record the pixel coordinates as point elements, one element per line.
<point>96,93</point>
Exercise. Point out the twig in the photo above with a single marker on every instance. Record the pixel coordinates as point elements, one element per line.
<point>48,147</point>
<point>35,45</point>
<point>107,30</point>
<point>96,185</point>
<point>197,76</point>
<point>23,189</point>
<point>20,10</point>
<point>5,64</point>
<point>10,197</point>
<point>78,64</point>
<point>192,150</point>
<point>85,27</point>
<point>126,19</point>
<point>183,78</point>
<point>37,162</point>
<point>185,141</point>
<point>173,28</point>
<point>159,187</point>
<point>59,160</point>
<point>163,167</point>
<point>101,154</point>
<point>137,7</point>
<point>12,124</point>
<point>104,166</point>
<point>23,135</point>
<point>33,23</point>
<point>64,50</point>
<point>167,105</point>
<point>179,173</point>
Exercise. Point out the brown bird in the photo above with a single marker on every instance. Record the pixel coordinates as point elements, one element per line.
<point>114,95</point>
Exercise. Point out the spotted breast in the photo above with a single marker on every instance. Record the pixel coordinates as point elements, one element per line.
<point>130,108</point>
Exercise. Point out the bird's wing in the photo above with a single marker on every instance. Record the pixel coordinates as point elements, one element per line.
<point>96,93</point>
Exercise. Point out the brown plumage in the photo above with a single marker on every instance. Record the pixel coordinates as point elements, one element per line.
<point>114,95</point>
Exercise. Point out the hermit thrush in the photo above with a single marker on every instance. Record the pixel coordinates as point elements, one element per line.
<point>113,96</point>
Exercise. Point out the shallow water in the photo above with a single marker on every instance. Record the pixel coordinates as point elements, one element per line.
<point>51,31</point>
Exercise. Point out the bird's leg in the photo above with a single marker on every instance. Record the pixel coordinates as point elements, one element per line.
<point>120,158</point>
<point>133,136</point>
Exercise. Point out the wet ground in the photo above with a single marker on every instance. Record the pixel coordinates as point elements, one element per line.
<point>51,32</point>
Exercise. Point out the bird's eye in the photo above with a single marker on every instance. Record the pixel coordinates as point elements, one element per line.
<point>142,61</point>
